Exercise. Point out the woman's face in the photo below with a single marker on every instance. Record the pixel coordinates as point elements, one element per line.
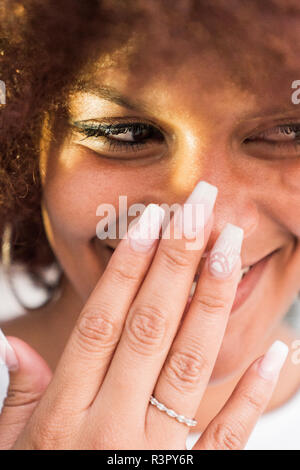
<point>220,113</point>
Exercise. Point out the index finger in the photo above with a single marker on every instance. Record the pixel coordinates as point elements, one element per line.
<point>88,352</point>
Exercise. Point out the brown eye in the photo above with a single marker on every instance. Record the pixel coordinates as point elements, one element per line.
<point>127,136</point>
<point>133,140</point>
<point>278,134</point>
<point>131,133</point>
<point>280,142</point>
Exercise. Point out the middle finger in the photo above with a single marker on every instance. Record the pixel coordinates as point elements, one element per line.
<point>154,315</point>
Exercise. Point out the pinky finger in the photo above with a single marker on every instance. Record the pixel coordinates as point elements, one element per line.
<point>231,428</point>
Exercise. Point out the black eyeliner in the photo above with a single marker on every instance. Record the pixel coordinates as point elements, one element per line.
<point>98,130</point>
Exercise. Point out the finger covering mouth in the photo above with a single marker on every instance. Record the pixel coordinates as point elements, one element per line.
<point>249,277</point>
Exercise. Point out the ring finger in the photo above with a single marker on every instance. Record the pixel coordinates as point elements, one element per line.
<point>191,359</point>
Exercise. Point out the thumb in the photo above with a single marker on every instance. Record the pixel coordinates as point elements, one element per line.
<point>29,376</point>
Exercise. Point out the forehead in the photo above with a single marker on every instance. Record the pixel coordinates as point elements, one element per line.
<point>250,46</point>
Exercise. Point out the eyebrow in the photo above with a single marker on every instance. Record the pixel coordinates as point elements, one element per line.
<point>112,94</point>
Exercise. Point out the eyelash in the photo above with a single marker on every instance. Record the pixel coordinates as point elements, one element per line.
<point>259,142</point>
<point>286,129</point>
<point>107,130</point>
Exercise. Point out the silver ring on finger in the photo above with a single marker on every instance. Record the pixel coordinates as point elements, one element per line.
<point>180,418</point>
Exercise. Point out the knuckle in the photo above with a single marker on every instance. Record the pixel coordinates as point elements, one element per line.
<point>175,258</point>
<point>16,397</point>
<point>96,330</point>
<point>254,400</point>
<point>227,437</point>
<point>43,440</point>
<point>146,327</point>
<point>54,430</point>
<point>184,369</point>
<point>44,437</point>
<point>210,303</point>
<point>120,273</point>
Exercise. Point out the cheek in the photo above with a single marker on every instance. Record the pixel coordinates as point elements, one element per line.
<point>76,184</point>
<point>275,185</point>
<point>285,206</point>
<point>291,200</point>
<point>71,206</point>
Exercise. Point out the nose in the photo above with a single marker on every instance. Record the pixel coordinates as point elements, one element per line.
<point>240,211</point>
<point>235,204</point>
<point>237,201</point>
<point>235,207</point>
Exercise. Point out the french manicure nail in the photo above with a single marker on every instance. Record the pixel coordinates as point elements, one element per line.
<point>273,360</point>
<point>7,354</point>
<point>198,208</point>
<point>145,232</point>
<point>226,251</point>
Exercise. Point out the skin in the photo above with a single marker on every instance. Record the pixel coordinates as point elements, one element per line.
<point>206,109</point>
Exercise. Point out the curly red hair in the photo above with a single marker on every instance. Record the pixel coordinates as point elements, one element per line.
<point>43,45</point>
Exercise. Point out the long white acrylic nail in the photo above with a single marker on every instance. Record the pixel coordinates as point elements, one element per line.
<point>145,232</point>
<point>272,362</point>
<point>198,208</point>
<point>7,354</point>
<point>226,251</point>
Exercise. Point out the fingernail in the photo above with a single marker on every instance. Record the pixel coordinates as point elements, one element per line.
<point>145,232</point>
<point>226,251</point>
<point>198,208</point>
<point>7,354</point>
<point>272,362</point>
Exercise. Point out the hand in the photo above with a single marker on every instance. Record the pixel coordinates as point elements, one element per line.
<point>130,342</point>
